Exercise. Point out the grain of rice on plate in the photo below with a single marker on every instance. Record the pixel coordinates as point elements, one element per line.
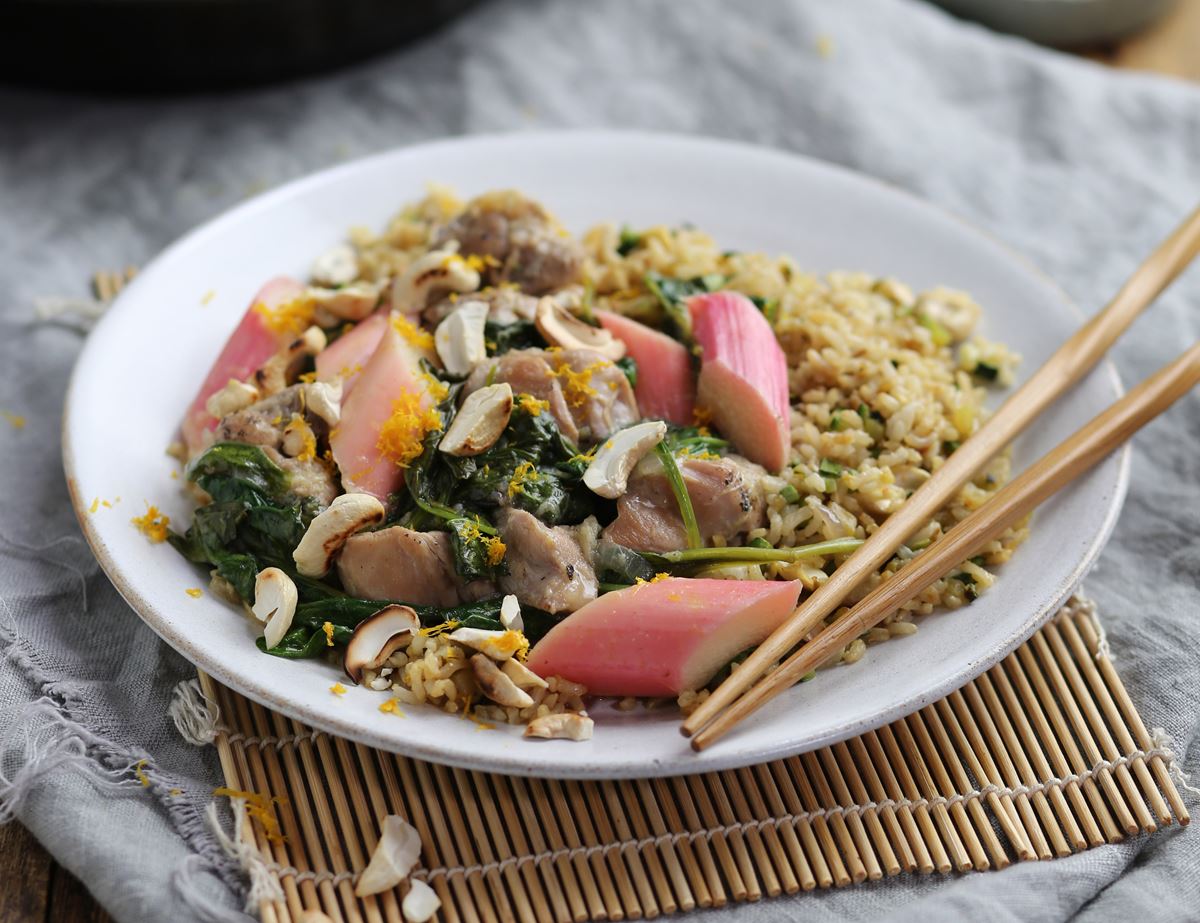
<point>883,383</point>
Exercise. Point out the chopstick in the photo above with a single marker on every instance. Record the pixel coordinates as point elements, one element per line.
<point>1072,360</point>
<point>1070,459</point>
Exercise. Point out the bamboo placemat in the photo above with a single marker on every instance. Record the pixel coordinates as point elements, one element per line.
<point>1041,756</point>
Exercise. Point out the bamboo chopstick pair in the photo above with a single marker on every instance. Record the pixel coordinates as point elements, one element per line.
<point>739,695</point>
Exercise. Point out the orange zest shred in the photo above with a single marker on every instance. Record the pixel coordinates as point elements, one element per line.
<point>531,405</point>
<point>153,525</point>
<point>15,420</point>
<point>392,707</point>
<point>412,334</point>
<point>194,591</point>
<point>337,689</point>
<point>327,627</point>
<point>402,435</point>
<point>438,390</point>
<point>258,808</point>
<point>577,385</point>
<point>291,318</point>
<point>492,543</point>
<point>496,549</point>
<point>297,424</point>
<point>480,262</point>
<point>139,770</point>
<point>701,416</point>
<point>95,505</point>
<point>586,456</point>
<point>522,475</point>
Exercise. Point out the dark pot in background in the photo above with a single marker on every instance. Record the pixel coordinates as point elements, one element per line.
<point>156,46</point>
<point>1064,23</point>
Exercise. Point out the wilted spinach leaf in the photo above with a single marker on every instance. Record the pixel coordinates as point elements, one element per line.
<point>629,366</point>
<point>521,334</point>
<point>307,637</point>
<point>253,522</point>
<point>673,295</point>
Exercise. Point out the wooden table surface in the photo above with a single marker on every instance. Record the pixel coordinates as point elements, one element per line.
<point>36,889</point>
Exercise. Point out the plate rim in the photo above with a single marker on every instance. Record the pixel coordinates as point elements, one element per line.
<point>416,748</point>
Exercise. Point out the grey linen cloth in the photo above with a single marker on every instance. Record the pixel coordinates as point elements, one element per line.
<point>1081,169</point>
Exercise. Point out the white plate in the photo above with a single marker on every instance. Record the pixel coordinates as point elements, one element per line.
<point>144,361</point>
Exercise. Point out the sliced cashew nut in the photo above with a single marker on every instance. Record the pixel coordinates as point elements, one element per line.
<point>608,473</point>
<point>479,422</point>
<point>566,726</point>
<point>299,440</point>
<point>275,599</point>
<point>420,903</point>
<point>235,396</point>
<point>497,685</point>
<point>326,534</point>
<point>351,302</point>
<point>277,372</point>
<point>336,266</point>
<point>499,645</point>
<point>437,272</point>
<point>562,328</point>
<point>524,677</point>
<point>460,338</point>
<point>394,858</point>
<point>324,399</point>
<point>377,637</point>
<point>510,613</point>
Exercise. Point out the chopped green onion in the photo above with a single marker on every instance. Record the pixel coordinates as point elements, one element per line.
<point>587,303</point>
<point>759,543</point>
<point>835,422</point>
<point>830,469</point>
<point>713,281</point>
<point>789,493</point>
<point>628,240</point>
<point>679,488</point>
<point>941,336</point>
<point>979,560</point>
<point>751,555</point>
<point>950,446</point>
<point>986,371</point>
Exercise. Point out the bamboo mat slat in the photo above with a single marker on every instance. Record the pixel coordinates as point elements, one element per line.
<point>1041,756</point>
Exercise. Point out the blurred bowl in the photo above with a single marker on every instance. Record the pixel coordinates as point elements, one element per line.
<point>1062,22</point>
<point>155,46</point>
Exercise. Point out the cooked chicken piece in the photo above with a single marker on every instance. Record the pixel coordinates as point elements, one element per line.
<point>597,392</point>
<point>589,397</point>
<point>527,372</point>
<point>505,306</point>
<point>726,494</point>
<point>264,425</point>
<point>547,568</point>
<point>528,248</point>
<point>412,567</point>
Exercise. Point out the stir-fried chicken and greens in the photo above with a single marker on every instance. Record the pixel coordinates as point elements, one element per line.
<point>493,467</point>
